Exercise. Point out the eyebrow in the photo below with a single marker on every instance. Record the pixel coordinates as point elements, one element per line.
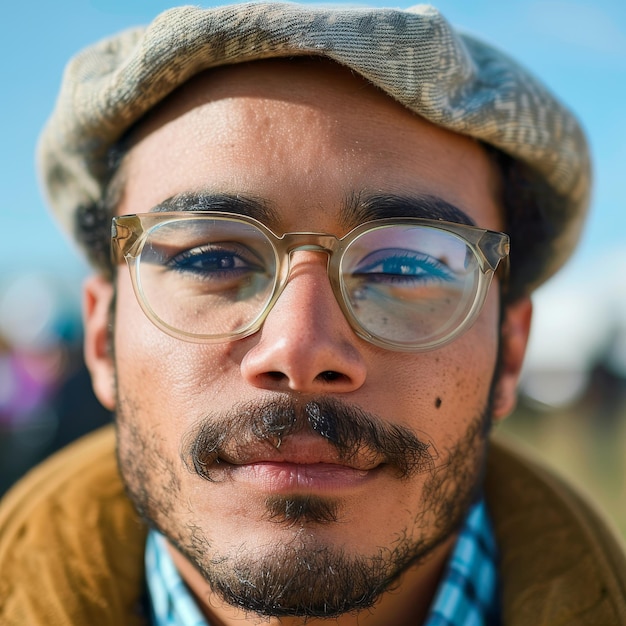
<point>248,206</point>
<point>356,208</point>
<point>364,207</point>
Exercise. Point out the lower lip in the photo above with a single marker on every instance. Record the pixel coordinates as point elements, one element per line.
<point>290,477</point>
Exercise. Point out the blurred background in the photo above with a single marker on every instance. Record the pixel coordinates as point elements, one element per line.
<point>573,398</point>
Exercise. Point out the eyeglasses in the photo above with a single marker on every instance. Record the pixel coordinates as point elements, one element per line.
<point>406,284</point>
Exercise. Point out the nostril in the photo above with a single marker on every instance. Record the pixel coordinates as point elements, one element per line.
<point>329,376</point>
<point>275,375</point>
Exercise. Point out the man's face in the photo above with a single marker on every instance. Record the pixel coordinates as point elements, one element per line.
<point>290,526</point>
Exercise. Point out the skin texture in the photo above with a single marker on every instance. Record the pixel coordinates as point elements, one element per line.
<point>302,136</point>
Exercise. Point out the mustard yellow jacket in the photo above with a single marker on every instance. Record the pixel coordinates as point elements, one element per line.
<point>71,546</point>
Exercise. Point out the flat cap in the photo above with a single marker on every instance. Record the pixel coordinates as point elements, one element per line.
<point>415,56</point>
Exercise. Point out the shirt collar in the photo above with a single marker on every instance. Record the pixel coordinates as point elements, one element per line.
<point>469,590</point>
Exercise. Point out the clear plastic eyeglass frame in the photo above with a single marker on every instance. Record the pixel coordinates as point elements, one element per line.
<point>486,250</point>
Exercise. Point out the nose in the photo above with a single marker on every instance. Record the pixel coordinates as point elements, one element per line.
<point>306,343</point>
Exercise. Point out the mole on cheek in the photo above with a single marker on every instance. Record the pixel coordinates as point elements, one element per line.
<point>437,402</point>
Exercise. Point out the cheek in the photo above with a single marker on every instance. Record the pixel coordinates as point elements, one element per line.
<point>442,392</point>
<point>463,384</point>
<point>468,374</point>
<point>169,381</point>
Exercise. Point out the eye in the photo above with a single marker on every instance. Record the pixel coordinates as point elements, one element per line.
<point>216,261</point>
<point>402,266</point>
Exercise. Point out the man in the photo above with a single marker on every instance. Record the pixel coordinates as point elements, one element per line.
<point>307,327</point>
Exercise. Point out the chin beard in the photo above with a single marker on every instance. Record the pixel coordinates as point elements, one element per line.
<point>303,578</point>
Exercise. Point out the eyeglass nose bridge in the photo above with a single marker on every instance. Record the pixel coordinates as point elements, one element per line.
<point>307,242</point>
<point>290,243</point>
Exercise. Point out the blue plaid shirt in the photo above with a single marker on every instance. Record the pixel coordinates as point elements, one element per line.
<point>468,594</point>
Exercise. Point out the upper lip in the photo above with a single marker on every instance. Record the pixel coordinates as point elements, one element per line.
<point>299,450</point>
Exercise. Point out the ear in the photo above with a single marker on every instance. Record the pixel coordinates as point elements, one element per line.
<point>97,297</point>
<point>514,334</point>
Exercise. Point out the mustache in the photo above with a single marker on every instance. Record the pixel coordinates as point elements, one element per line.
<point>351,431</point>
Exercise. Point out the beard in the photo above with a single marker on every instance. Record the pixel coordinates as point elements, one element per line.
<point>304,576</point>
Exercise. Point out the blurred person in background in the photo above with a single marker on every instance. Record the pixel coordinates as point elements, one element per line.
<point>314,235</point>
<point>29,378</point>
<point>45,401</point>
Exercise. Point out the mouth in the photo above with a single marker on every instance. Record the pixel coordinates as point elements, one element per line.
<point>299,465</point>
<point>289,478</point>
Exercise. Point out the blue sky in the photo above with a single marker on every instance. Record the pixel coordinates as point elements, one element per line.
<point>577,47</point>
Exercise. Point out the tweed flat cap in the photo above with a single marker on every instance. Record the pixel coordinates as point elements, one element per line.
<point>415,56</point>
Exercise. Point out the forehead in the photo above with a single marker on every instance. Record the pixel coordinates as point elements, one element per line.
<point>304,137</point>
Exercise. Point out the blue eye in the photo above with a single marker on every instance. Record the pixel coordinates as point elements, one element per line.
<point>402,266</point>
<point>216,262</point>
